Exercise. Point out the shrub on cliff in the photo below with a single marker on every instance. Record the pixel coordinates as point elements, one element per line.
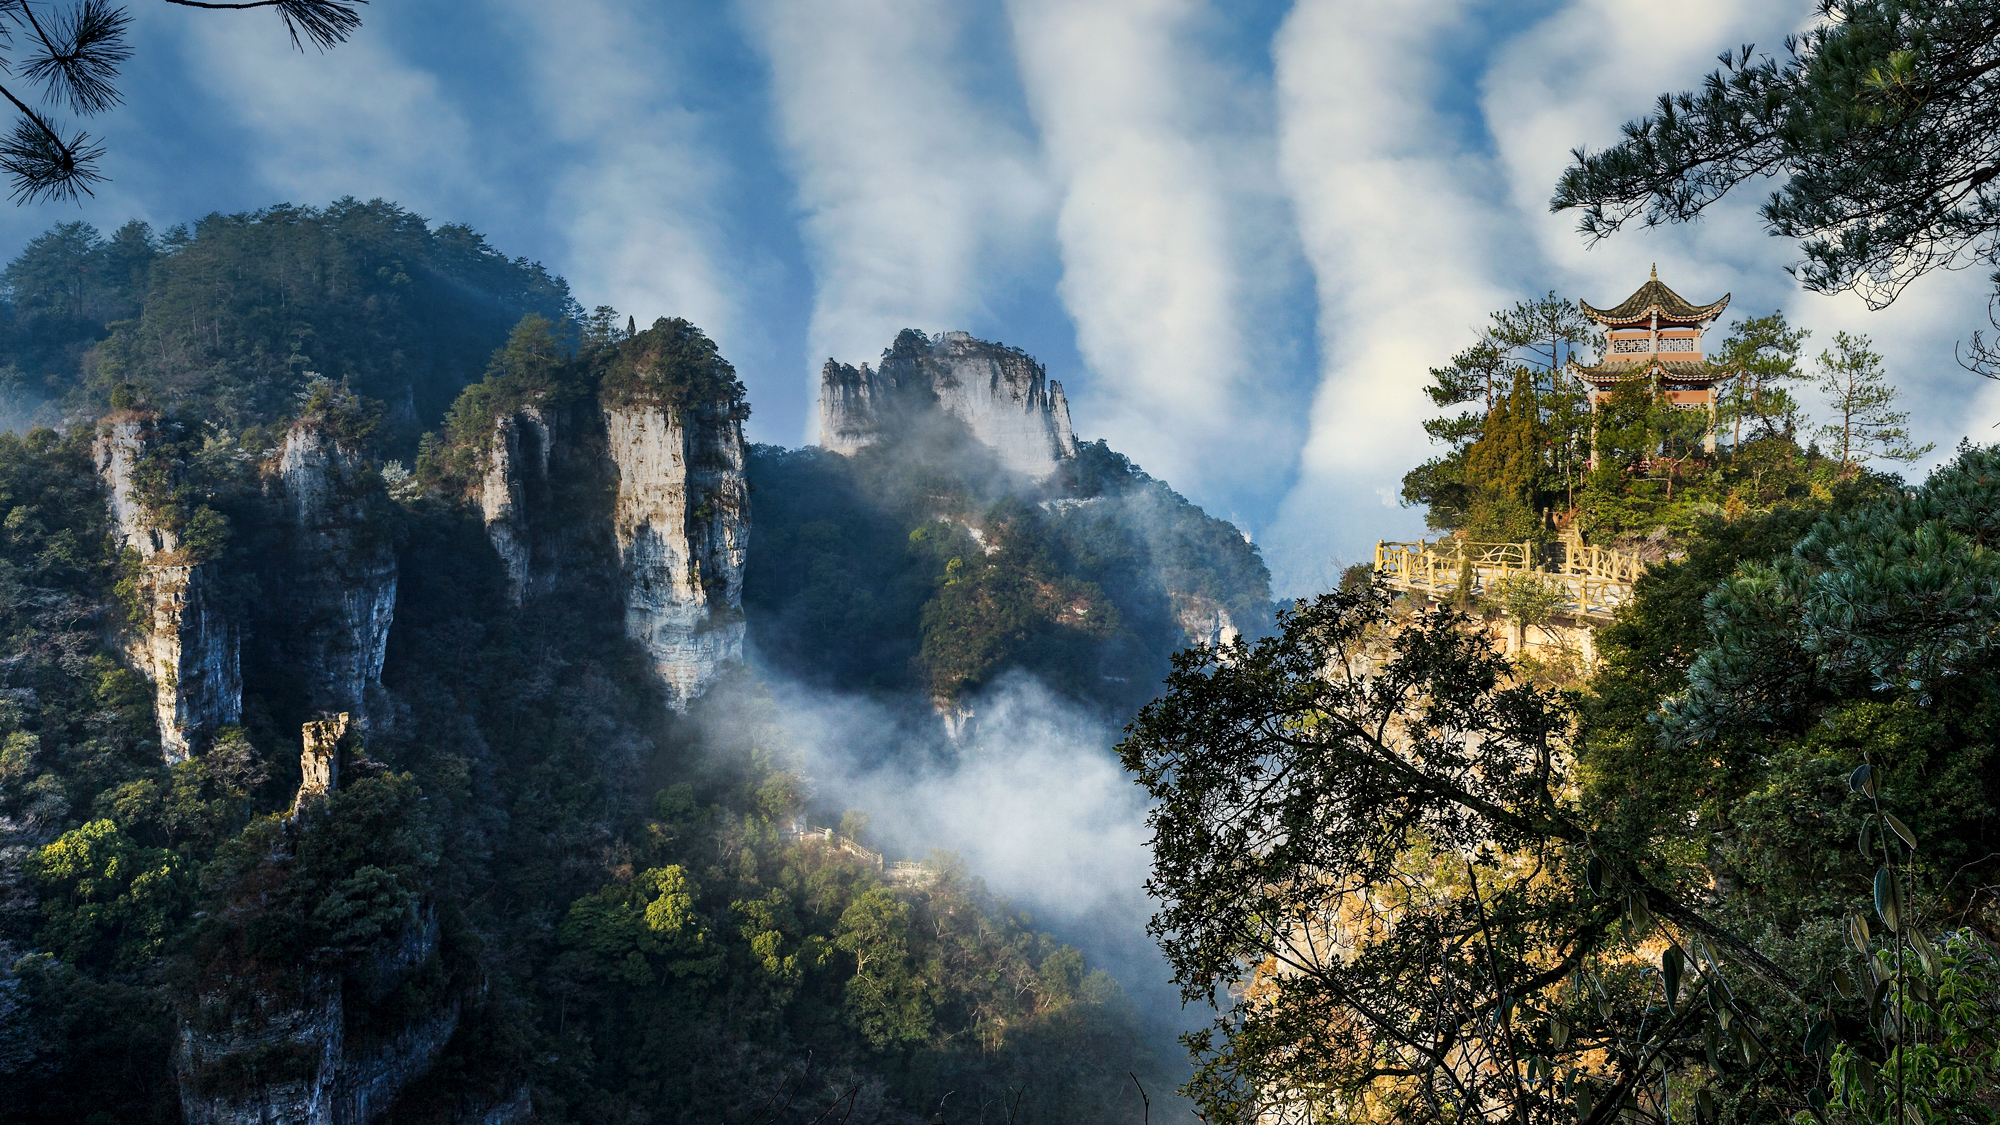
<point>670,366</point>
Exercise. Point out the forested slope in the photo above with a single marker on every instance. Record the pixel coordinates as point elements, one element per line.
<point>534,887</point>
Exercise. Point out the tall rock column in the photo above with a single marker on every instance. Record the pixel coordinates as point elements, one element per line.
<point>187,645</point>
<point>682,525</point>
<point>342,578</point>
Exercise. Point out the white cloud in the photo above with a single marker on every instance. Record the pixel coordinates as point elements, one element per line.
<point>918,200</point>
<point>1168,193</point>
<point>1033,799</point>
<point>356,120</point>
<point>1397,220</point>
<point>639,195</point>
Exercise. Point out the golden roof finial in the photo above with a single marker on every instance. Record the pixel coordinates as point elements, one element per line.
<point>1656,271</point>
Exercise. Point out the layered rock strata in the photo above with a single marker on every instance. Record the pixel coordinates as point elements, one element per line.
<point>341,584</point>
<point>301,1042</point>
<point>1001,394</point>
<point>185,644</point>
<point>681,520</point>
<point>313,1071</point>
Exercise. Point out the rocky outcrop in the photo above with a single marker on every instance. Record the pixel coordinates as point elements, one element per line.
<point>341,581</point>
<point>275,1065</point>
<point>1204,620</point>
<point>182,640</point>
<point>1001,394</point>
<point>248,1056</point>
<point>319,761</point>
<point>631,499</point>
<point>681,521</point>
<point>517,461</point>
<point>297,1063</point>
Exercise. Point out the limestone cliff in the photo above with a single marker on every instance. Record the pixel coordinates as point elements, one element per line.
<point>340,583</point>
<point>300,1041</point>
<point>517,462</point>
<point>313,1070</point>
<point>622,477</point>
<point>682,524</point>
<point>182,640</point>
<point>1204,620</point>
<point>1001,394</point>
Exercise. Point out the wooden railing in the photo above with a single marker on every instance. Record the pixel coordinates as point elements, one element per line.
<point>1596,580</point>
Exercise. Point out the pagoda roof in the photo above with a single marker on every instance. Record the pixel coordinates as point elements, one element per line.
<point>1652,296</point>
<point>1696,371</point>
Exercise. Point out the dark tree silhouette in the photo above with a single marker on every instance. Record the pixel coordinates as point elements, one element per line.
<point>73,55</point>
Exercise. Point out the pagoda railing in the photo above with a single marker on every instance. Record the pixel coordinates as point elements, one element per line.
<point>1596,580</point>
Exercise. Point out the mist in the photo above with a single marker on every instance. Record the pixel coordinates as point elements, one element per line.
<point>1030,795</point>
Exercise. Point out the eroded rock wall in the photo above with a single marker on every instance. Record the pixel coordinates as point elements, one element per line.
<point>681,522</point>
<point>1001,394</point>
<point>185,642</point>
<point>517,462</point>
<point>299,1047</point>
<point>340,583</point>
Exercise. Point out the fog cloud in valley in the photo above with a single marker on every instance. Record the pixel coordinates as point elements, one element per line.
<point>1031,796</point>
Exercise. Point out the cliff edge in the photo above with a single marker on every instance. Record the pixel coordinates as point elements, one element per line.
<point>1001,394</point>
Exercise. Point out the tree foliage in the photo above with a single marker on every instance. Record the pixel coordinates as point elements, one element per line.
<point>1433,891</point>
<point>1367,841</point>
<point>1866,425</point>
<point>1879,122</point>
<point>927,565</point>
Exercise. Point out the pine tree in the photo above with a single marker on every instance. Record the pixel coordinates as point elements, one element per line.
<point>1764,350</point>
<point>1866,425</point>
<point>1504,467</point>
<point>74,56</point>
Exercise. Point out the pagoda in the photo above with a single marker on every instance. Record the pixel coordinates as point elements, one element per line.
<point>1655,336</point>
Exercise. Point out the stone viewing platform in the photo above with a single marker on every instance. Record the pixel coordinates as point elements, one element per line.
<point>1577,593</point>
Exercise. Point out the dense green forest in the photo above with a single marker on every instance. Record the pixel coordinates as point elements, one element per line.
<point>226,318</point>
<point>627,927</point>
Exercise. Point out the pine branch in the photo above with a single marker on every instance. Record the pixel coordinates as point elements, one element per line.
<point>79,62</point>
<point>41,163</point>
<point>327,23</point>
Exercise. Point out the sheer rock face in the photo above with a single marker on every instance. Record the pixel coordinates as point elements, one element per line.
<point>1001,394</point>
<point>669,546</point>
<point>187,645</point>
<point>308,1036</point>
<point>545,500</point>
<point>682,523</point>
<point>519,461</point>
<point>342,578</point>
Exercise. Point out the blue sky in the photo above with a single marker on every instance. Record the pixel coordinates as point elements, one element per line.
<point>1237,232</point>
